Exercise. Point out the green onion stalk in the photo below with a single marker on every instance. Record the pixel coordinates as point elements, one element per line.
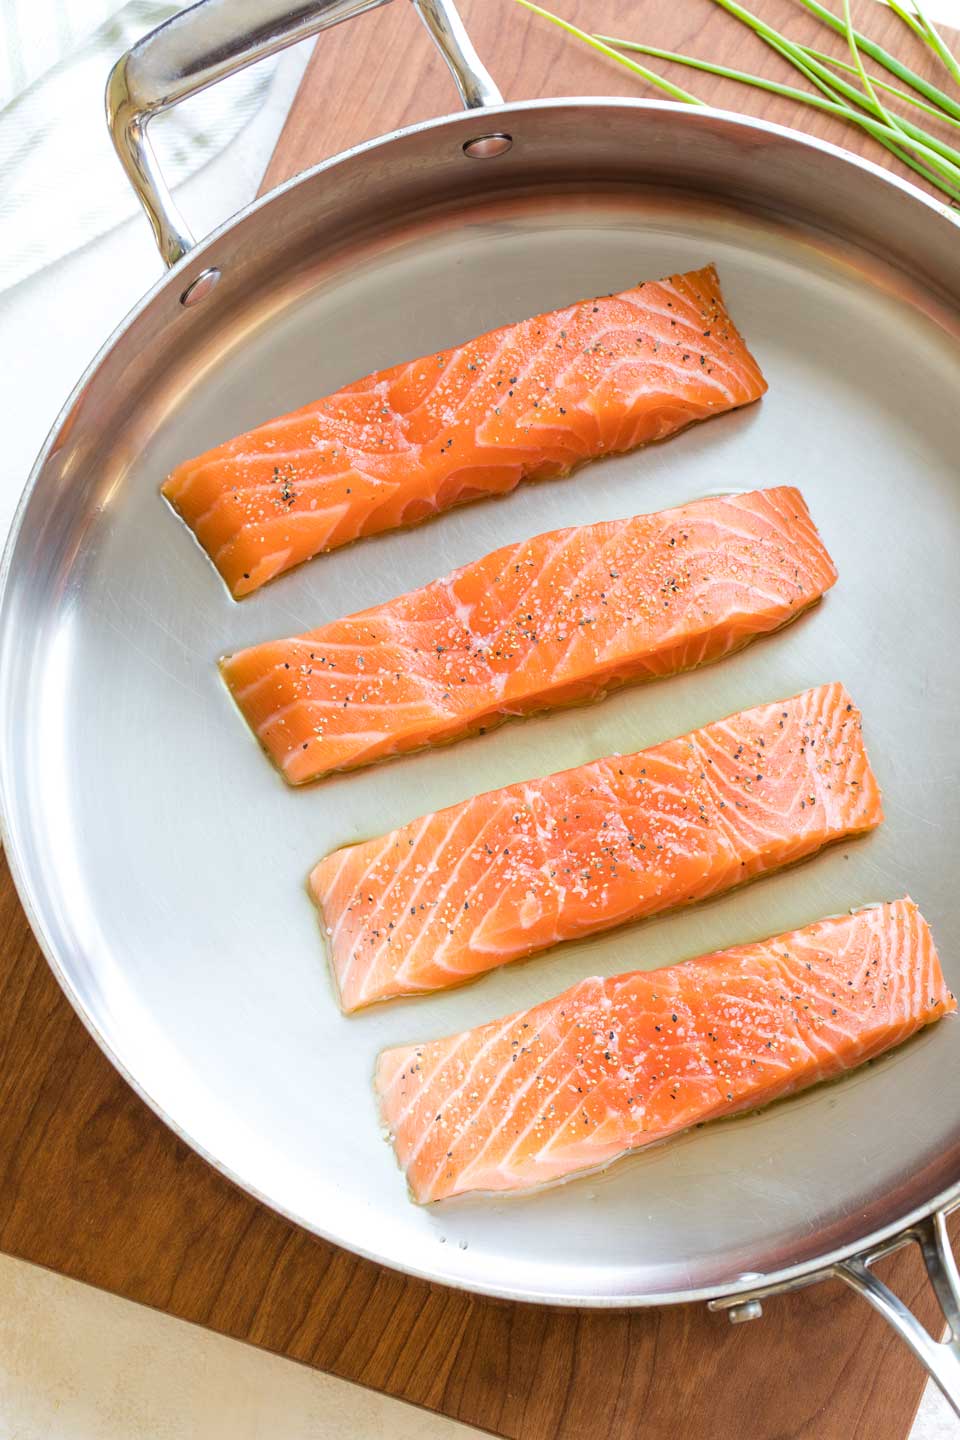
<point>926,154</point>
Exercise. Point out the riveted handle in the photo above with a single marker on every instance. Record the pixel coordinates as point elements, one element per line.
<point>941,1358</point>
<point>215,38</point>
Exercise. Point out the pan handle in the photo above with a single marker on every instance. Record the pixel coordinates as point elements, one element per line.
<point>941,1358</point>
<point>215,38</point>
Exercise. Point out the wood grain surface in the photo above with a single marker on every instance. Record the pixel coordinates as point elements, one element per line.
<point>93,1184</point>
<point>379,72</point>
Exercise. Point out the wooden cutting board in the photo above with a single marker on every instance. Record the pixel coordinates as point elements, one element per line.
<point>93,1185</point>
<point>377,73</point>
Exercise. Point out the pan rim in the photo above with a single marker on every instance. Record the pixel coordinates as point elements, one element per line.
<point>11,825</point>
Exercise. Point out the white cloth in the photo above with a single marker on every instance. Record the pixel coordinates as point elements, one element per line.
<point>37,36</point>
<point>57,165</point>
<point>65,305</point>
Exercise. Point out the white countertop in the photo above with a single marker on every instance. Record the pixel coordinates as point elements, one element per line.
<point>77,1364</point>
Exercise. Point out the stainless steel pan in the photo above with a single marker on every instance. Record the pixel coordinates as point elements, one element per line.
<point>160,859</point>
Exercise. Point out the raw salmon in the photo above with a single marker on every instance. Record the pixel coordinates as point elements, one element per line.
<point>563,617</point>
<point>525,402</point>
<point>615,1064</point>
<point>516,870</point>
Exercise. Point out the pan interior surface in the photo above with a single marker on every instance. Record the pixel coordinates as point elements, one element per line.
<point>166,859</point>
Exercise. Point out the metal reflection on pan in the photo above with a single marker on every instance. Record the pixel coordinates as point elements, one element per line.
<point>162,861</point>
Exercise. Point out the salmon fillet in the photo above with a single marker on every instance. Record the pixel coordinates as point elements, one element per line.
<point>524,402</point>
<point>614,1064</point>
<point>511,872</point>
<point>560,618</point>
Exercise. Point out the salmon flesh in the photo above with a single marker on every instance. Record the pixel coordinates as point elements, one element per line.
<point>503,875</point>
<point>612,1065</point>
<point>525,402</point>
<point>564,617</point>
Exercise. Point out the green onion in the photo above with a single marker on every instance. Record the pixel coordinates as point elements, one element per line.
<point>744,77</point>
<point>934,153</point>
<point>936,42</point>
<point>595,44</point>
<point>909,20</point>
<point>926,154</point>
<point>814,70</point>
<point>910,131</point>
<point>858,61</point>
<point>888,61</point>
<point>884,134</point>
<point>836,85</point>
<point>939,162</point>
<point>902,95</point>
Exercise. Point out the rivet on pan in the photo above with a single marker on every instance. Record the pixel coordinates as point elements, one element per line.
<point>485,147</point>
<point>199,289</point>
<point>749,1310</point>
